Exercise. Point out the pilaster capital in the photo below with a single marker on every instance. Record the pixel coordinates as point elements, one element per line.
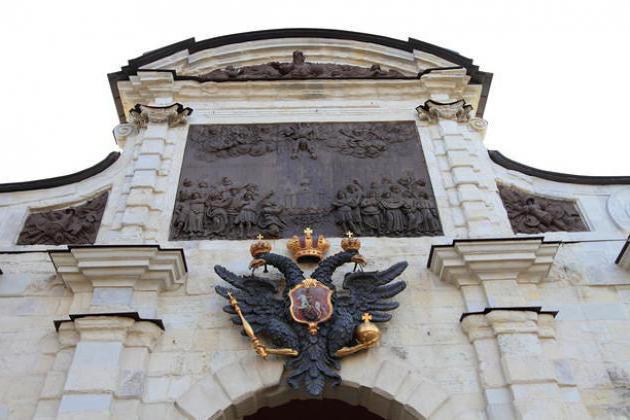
<point>143,115</point>
<point>145,268</point>
<point>471,262</point>
<point>494,322</point>
<point>432,111</point>
<point>126,330</point>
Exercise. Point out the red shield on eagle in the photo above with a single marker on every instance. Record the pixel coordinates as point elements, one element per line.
<point>311,303</point>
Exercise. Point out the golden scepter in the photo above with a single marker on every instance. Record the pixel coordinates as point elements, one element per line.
<point>259,347</point>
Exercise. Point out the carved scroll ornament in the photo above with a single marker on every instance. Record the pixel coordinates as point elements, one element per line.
<point>142,115</point>
<point>431,111</point>
<point>73,225</point>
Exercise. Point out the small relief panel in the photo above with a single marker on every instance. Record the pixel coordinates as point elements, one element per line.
<point>70,226</point>
<point>366,177</point>
<point>529,213</point>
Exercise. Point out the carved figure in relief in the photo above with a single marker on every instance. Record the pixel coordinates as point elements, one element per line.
<point>72,225</point>
<point>343,205</point>
<point>299,68</point>
<point>225,210</point>
<point>389,208</point>
<point>303,139</point>
<point>225,141</point>
<point>533,214</point>
<point>246,218</point>
<point>270,216</point>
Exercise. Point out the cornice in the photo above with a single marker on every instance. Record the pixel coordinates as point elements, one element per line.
<point>498,158</point>
<point>471,262</point>
<point>148,268</point>
<point>61,180</point>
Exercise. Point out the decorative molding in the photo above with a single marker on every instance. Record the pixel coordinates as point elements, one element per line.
<point>478,124</point>
<point>148,268</point>
<point>471,262</point>
<point>122,131</point>
<point>142,115</point>
<point>431,111</point>
<point>71,225</point>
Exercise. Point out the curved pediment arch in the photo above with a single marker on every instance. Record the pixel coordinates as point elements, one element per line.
<point>191,59</point>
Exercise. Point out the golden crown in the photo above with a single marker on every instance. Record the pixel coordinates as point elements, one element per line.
<point>259,247</point>
<point>309,247</point>
<point>349,243</point>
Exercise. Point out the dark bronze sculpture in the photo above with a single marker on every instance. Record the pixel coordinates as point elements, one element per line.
<point>529,213</point>
<point>308,319</point>
<point>366,177</point>
<point>299,68</point>
<point>72,225</point>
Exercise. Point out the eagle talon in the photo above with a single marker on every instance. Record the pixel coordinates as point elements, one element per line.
<point>256,263</point>
<point>360,260</point>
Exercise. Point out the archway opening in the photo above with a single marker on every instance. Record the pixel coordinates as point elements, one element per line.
<point>327,409</point>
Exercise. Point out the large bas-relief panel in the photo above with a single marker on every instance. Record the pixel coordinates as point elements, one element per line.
<point>239,180</point>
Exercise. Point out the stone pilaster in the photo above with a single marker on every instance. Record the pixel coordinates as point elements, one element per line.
<point>108,366</point>
<point>520,380</point>
<point>142,201</point>
<point>466,169</point>
<point>99,369</point>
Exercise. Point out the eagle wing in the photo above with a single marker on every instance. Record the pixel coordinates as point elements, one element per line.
<point>259,302</point>
<point>364,292</point>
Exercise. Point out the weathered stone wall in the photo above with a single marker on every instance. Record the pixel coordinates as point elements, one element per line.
<point>508,358</point>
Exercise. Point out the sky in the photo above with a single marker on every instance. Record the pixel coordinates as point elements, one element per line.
<point>558,101</point>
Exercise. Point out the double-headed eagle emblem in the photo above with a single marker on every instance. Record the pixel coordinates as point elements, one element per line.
<point>307,318</point>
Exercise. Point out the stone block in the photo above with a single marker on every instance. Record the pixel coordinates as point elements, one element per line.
<point>144,178</point>
<point>103,296</point>
<point>153,146</point>
<point>94,367</point>
<point>53,385</point>
<point>155,131</point>
<point>151,161</point>
<point>527,369</point>
<point>465,175</point>
<point>469,192</point>
<point>455,142</point>
<point>161,364</point>
<point>460,158</point>
<point>143,197</point>
<point>204,400</point>
<point>132,372</point>
<point>156,390</point>
<point>92,406</point>
<point>135,216</point>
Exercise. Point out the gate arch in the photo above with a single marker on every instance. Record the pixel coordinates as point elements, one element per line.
<point>373,380</point>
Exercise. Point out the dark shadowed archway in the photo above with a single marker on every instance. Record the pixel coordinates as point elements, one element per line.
<point>327,409</point>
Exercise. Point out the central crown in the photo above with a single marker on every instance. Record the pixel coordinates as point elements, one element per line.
<point>309,247</point>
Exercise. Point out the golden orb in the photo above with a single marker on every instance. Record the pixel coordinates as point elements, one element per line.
<point>367,332</point>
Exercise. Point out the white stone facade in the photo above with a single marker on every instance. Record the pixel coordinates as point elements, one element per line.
<point>492,325</point>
